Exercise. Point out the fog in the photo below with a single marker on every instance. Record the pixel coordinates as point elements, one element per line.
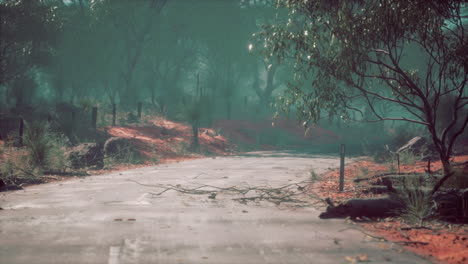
<point>169,56</point>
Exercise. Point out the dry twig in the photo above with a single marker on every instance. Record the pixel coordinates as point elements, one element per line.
<point>284,194</point>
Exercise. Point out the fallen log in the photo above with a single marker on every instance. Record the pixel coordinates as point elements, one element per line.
<point>450,205</point>
<point>394,175</point>
<point>364,207</point>
<point>380,189</point>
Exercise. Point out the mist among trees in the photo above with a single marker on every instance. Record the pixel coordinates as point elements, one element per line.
<point>205,60</point>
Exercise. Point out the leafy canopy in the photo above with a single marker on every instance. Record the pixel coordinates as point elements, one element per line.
<point>364,52</point>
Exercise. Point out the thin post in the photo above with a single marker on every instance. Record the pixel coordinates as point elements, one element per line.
<point>139,110</point>
<point>21,131</point>
<point>398,162</point>
<point>114,113</point>
<point>342,164</point>
<point>94,117</point>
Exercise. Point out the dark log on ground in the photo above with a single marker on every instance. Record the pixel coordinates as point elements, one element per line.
<point>67,173</point>
<point>379,189</point>
<point>86,155</point>
<point>365,207</point>
<point>451,205</point>
<point>393,175</point>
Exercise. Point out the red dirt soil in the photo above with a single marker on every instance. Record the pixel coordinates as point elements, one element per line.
<point>238,130</point>
<point>442,243</point>
<point>168,141</point>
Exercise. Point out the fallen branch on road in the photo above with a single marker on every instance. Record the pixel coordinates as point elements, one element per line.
<point>285,194</point>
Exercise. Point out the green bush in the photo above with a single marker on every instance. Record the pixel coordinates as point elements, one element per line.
<point>125,154</point>
<point>407,158</point>
<point>15,167</point>
<point>417,200</point>
<point>45,149</point>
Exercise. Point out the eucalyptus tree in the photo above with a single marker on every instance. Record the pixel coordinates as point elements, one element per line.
<point>132,22</point>
<point>258,13</point>
<point>28,37</point>
<point>412,54</point>
<point>224,36</point>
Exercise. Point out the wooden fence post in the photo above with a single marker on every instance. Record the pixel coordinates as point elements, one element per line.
<point>398,162</point>
<point>114,113</point>
<point>94,117</point>
<point>342,164</point>
<point>139,110</point>
<point>21,131</point>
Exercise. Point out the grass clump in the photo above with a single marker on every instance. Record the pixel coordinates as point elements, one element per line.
<point>313,176</point>
<point>408,158</point>
<point>15,167</point>
<point>124,153</point>
<point>417,200</point>
<point>42,150</point>
<point>45,149</point>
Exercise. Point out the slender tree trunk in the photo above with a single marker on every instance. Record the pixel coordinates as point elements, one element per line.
<point>443,154</point>
<point>195,142</point>
<point>114,113</point>
<point>448,172</point>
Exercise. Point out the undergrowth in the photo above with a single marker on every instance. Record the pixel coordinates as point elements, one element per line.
<point>42,150</point>
<point>416,199</point>
<point>124,154</point>
<point>45,148</point>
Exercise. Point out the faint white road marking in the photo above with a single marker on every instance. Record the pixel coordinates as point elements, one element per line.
<point>114,253</point>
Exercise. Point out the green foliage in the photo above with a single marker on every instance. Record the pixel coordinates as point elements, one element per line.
<point>11,163</point>
<point>346,54</point>
<point>125,154</point>
<point>417,200</point>
<point>26,26</point>
<point>408,158</point>
<point>45,148</point>
<point>313,176</point>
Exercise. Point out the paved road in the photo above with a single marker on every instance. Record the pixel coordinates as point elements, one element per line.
<point>110,219</point>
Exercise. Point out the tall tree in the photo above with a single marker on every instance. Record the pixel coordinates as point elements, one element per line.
<point>132,22</point>
<point>28,34</point>
<point>412,54</point>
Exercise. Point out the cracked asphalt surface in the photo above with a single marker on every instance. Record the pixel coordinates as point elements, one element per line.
<point>111,219</point>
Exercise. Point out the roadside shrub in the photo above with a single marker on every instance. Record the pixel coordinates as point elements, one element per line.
<point>15,167</point>
<point>417,200</point>
<point>407,158</point>
<point>125,154</point>
<point>313,176</point>
<point>45,149</point>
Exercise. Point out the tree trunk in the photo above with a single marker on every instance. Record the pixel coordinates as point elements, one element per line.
<point>444,155</point>
<point>195,142</point>
<point>448,172</point>
<point>114,113</point>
